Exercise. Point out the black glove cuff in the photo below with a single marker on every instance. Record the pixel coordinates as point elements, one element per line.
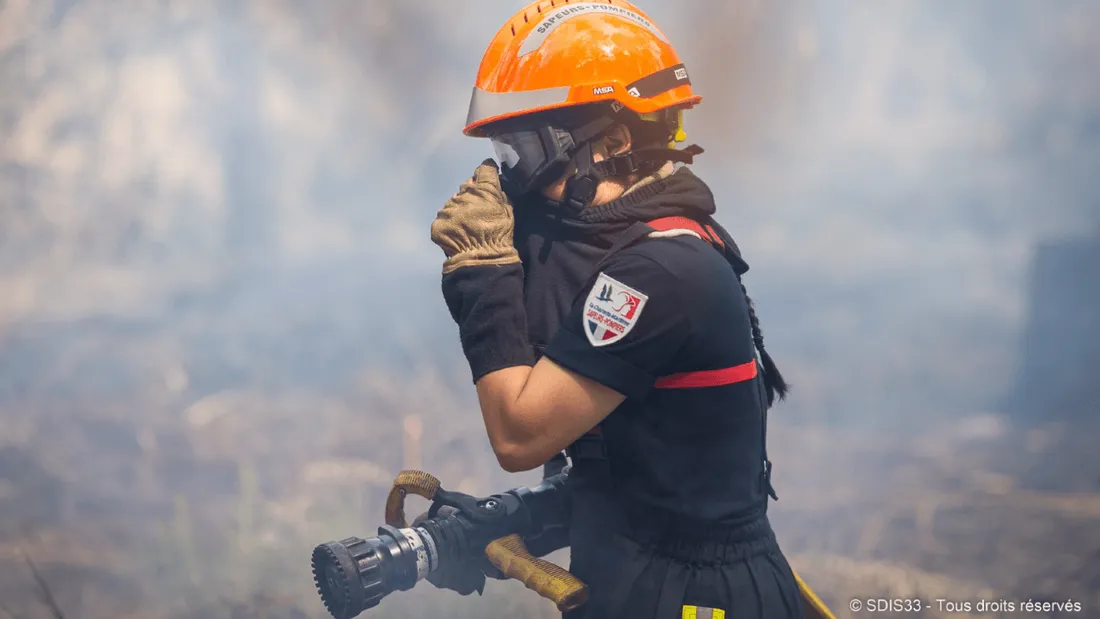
<point>486,302</point>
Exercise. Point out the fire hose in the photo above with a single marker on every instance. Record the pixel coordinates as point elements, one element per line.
<point>355,574</point>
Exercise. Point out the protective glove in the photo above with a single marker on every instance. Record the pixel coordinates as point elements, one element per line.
<point>463,578</point>
<point>482,274</point>
<point>475,226</point>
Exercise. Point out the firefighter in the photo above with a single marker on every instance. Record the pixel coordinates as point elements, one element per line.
<point>601,310</point>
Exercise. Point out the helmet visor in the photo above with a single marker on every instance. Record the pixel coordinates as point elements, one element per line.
<point>531,159</point>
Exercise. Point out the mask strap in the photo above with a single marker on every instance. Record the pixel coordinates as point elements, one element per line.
<point>580,189</point>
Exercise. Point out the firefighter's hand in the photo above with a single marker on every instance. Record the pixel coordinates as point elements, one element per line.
<point>475,227</point>
<point>463,578</point>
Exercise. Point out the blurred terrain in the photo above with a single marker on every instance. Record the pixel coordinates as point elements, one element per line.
<point>221,333</point>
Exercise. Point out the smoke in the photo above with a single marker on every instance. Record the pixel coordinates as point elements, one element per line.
<point>753,62</point>
<point>214,229</point>
<point>163,145</point>
<point>887,169</point>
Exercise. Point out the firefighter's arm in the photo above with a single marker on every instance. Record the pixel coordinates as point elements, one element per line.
<point>532,413</point>
<point>588,371</point>
<point>483,286</point>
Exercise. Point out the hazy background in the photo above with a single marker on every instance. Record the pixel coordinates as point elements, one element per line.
<point>221,331</point>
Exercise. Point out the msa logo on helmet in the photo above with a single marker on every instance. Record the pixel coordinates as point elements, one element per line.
<point>633,92</point>
<point>681,74</point>
<point>603,90</point>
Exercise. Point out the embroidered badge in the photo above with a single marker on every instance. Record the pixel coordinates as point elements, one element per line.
<point>611,310</point>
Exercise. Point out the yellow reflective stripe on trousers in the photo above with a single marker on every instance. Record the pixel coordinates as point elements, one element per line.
<point>702,612</point>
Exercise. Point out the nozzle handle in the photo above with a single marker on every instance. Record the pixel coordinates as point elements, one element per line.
<point>552,582</point>
<point>408,482</point>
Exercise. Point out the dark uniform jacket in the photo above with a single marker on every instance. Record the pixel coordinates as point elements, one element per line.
<point>669,508</point>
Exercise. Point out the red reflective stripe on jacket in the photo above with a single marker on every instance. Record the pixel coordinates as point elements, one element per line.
<point>708,378</point>
<point>707,233</point>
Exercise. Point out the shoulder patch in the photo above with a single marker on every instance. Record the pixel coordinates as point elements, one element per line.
<point>611,310</point>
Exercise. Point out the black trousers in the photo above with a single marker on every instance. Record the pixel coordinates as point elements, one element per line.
<point>638,568</point>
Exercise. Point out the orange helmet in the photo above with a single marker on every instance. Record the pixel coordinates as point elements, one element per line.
<point>561,53</point>
<point>559,59</point>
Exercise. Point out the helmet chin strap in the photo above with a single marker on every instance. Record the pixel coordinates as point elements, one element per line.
<point>581,187</point>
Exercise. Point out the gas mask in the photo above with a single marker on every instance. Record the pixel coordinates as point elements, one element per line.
<point>536,153</point>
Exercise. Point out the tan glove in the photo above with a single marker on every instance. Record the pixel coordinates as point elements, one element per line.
<point>475,227</point>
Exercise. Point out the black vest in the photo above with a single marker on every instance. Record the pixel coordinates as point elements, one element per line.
<point>561,253</point>
<point>561,249</point>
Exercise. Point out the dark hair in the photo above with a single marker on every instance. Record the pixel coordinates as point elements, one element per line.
<point>774,384</point>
